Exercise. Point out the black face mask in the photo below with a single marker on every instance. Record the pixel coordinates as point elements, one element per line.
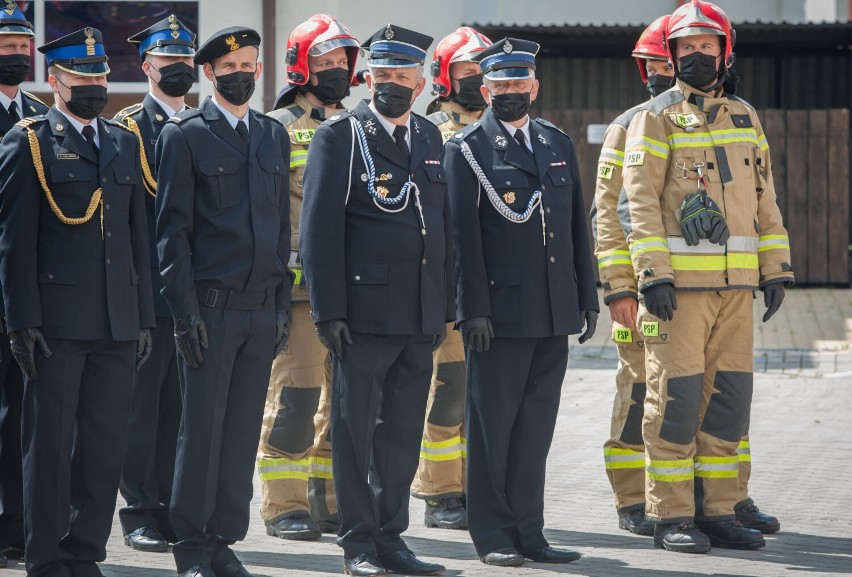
<point>236,87</point>
<point>510,106</point>
<point>392,100</point>
<point>659,83</point>
<point>332,85</point>
<point>14,68</point>
<point>87,101</point>
<point>698,70</point>
<point>469,94</point>
<point>176,79</point>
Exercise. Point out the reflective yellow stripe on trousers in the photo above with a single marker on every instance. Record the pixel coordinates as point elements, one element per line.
<point>616,458</point>
<point>448,450</point>
<point>280,468</point>
<point>671,471</point>
<point>744,451</point>
<point>320,468</point>
<point>717,467</point>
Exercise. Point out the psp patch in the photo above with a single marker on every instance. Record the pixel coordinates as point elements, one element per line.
<point>622,335</point>
<point>303,136</point>
<point>635,158</point>
<point>605,171</point>
<point>685,120</point>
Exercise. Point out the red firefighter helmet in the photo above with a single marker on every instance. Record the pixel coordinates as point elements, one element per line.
<point>698,17</point>
<point>459,46</point>
<point>319,34</point>
<point>651,45</point>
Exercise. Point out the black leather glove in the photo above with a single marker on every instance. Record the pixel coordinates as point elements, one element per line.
<point>23,343</point>
<point>282,331</point>
<point>773,296</point>
<point>143,347</point>
<point>700,217</point>
<point>660,300</point>
<point>190,338</point>
<point>591,318</point>
<point>332,334</point>
<point>439,339</point>
<point>477,333</point>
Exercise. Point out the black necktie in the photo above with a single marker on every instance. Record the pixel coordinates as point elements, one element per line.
<point>399,136</point>
<point>13,111</point>
<point>89,134</point>
<point>242,130</point>
<point>519,136</point>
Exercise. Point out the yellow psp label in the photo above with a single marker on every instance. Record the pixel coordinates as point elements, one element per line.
<point>622,335</point>
<point>605,171</point>
<point>303,136</point>
<point>650,329</point>
<point>636,158</point>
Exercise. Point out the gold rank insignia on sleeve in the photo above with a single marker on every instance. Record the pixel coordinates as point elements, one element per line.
<point>303,136</point>
<point>685,120</point>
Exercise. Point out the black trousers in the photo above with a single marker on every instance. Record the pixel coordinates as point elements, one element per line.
<point>74,430</point>
<point>513,400</point>
<point>378,406</point>
<point>11,476</point>
<point>149,461</point>
<point>219,431</point>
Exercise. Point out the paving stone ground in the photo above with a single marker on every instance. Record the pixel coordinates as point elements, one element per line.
<point>802,472</point>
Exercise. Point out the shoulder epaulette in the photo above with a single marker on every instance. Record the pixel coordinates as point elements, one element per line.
<point>438,118</point>
<point>29,121</point>
<point>625,118</point>
<point>342,115</point>
<point>549,124</point>
<point>662,101</point>
<point>287,116</point>
<point>129,111</point>
<point>185,114</point>
<point>34,97</point>
<point>740,100</point>
<point>117,123</point>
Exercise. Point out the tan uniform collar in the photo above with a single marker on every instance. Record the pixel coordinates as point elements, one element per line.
<point>321,113</point>
<point>458,112</point>
<point>706,102</point>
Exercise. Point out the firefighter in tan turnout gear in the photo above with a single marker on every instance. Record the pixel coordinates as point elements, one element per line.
<point>294,456</point>
<point>704,232</point>
<point>440,478</point>
<point>624,451</point>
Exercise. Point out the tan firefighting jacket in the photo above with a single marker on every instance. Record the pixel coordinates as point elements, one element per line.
<point>614,266</point>
<point>300,121</point>
<point>676,141</point>
<point>450,116</point>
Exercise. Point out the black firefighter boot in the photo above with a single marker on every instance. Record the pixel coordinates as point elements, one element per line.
<point>683,537</point>
<point>731,534</point>
<point>752,518</point>
<point>446,513</point>
<point>635,522</point>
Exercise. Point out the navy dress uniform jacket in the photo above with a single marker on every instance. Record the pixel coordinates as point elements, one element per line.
<point>57,276</point>
<point>150,118</point>
<point>204,226</point>
<point>504,270</point>
<point>362,262</point>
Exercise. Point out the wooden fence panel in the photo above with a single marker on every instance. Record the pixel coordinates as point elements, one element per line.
<point>817,193</point>
<point>838,198</point>
<point>797,186</point>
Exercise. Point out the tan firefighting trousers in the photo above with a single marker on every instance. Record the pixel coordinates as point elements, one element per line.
<point>441,472</point>
<point>294,455</point>
<point>699,388</point>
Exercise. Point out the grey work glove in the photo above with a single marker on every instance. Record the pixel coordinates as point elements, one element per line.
<point>23,343</point>
<point>282,331</point>
<point>143,347</point>
<point>477,333</point>
<point>191,338</point>
<point>332,334</point>
<point>591,319</point>
<point>700,217</point>
<point>773,296</point>
<point>660,300</point>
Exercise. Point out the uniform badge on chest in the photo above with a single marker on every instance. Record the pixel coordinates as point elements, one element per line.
<point>685,120</point>
<point>509,198</point>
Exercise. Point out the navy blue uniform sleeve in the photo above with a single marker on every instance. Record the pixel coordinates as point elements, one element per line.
<point>19,218</point>
<point>582,249</point>
<point>472,296</point>
<point>284,291</point>
<point>449,265</point>
<point>325,187</point>
<point>175,208</point>
<point>139,240</point>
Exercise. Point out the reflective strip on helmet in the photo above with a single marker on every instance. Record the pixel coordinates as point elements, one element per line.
<point>298,158</point>
<point>671,471</point>
<point>614,257</point>
<point>655,147</point>
<point>773,241</point>
<point>616,458</point>
<point>744,451</point>
<point>447,450</point>
<point>717,467</point>
<point>612,155</point>
<point>280,468</point>
<point>761,142</point>
<point>320,468</point>
<point>649,244</point>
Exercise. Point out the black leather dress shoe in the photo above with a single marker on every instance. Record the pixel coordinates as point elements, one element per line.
<point>550,555</point>
<point>365,564</point>
<point>232,569</point>
<point>505,557</point>
<point>197,571</point>
<point>753,518</point>
<point>13,552</point>
<point>404,561</point>
<point>635,522</point>
<point>298,528</point>
<point>146,539</point>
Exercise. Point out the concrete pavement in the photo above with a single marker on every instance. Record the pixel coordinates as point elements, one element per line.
<point>802,472</point>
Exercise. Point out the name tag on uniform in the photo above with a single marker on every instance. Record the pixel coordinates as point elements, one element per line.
<point>68,156</point>
<point>685,120</point>
<point>635,158</point>
<point>605,171</point>
<point>303,136</point>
